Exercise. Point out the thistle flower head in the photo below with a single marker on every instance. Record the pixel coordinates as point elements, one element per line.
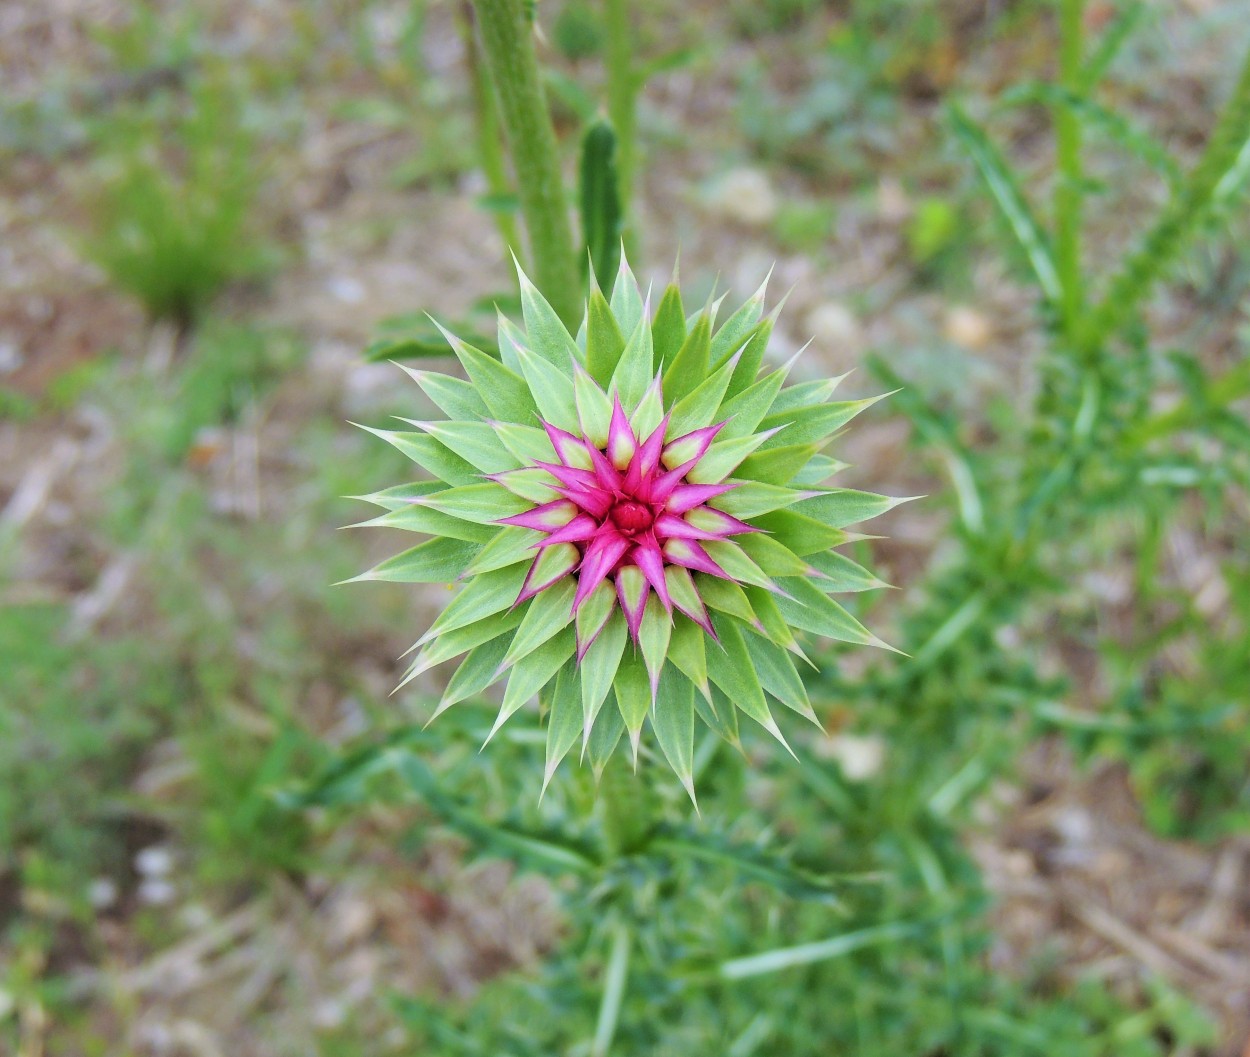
<point>636,515</point>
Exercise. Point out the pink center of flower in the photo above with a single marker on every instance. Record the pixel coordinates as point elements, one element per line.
<point>632,517</point>
<point>627,514</point>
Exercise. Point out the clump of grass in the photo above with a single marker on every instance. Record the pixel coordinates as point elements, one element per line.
<point>172,199</point>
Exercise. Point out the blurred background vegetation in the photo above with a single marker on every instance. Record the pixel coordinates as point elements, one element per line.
<point>1028,837</point>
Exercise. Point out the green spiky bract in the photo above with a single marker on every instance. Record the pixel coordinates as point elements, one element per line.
<point>638,520</point>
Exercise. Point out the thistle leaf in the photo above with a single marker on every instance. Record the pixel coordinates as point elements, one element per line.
<point>633,371</point>
<point>673,723</point>
<point>483,504</point>
<point>698,409</point>
<point>730,669</point>
<point>552,389</point>
<point>627,303</point>
<point>430,455</point>
<point>814,611</point>
<point>690,364</point>
<point>841,574</point>
<point>505,393</point>
<point>564,722</point>
<point>545,334</point>
<point>439,560</point>
<point>751,499</point>
<point>550,613</point>
<point>668,329</point>
<point>604,340</point>
<point>415,518</point>
<point>507,547</point>
<point>724,457</point>
<point>531,674</point>
<point>483,596</point>
<point>475,442</point>
<point>803,535</point>
<point>779,677</point>
<point>633,698</point>
<point>599,668</point>
<point>477,671</point>
<point>846,506</point>
<point>453,396</point>
<point>737,329</point>
<point>746,411</point>
<point>811,424</point>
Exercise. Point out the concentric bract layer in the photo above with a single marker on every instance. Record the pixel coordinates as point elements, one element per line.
<point>638,517</point>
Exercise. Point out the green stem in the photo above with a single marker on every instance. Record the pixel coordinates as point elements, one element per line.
<point>614,980</point>
<point>1219,173</point>
<point>508,42</point>
<point>622,90</point>
<point>1069,191</point>
<point>490,136</point>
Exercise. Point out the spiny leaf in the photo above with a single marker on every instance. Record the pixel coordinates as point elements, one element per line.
<point>435,561</point>
<point>698,409</point>
<point>477,671</point>
<point>751,499</point>
<point>746,411</point>
<point>552,389</point>
<point>673,723</point>
<point>453,396</point>
<point>545,334</point>
<point>483,596</point>
<point>810,424</point>
<point>633,371</point>
<point>730,669</point>
<point>475,442</point>
<point>627,304</point>
<point>687,650</point>
<point>842,574</point>
<point>840,507</point>
<point>430,455</point>
<point>483,504</point>
<point>504,392</point>
<point>778,675</point>
<point>604,340</point>
<point>453,643</point>
<point>803,535</point>
<point>633,697</point>
<point>690,365</point>
<point>724,457</point>
<point>507,547</point>
<point>564,722</point>
<point>814,611</point>
<point>550,613</point>
<point>599,668</point>
<point>531,674</point>
<point>735,331</point>
<point>772,556</point>
<point>432,522</point>
<point>668,329</point>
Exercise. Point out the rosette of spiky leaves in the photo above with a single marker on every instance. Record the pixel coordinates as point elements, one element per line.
<point>638,519</point>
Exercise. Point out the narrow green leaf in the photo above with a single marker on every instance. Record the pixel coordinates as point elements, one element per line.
<point>753,498</point>
<point>475,442</point>
<point>633,697</point>
<point>483,596</point>
<point>735,331</point>
<point>508,546</point>
<point>477,671</point>
<point>723,458</point>
<point>594,409</point>
<point>627,303</point>
<point>772,556</point>
<point>433,523</point>
<point>604,739</point>
<point>653,637</point>
<point>453,643</point>
<point>842,574</point>
<point>731,670</point>
<point>687,650</point>
<point>726,597</point>
<point>817,471</point>
<point>526,444</point>
<point>1005,189</point>
<point>752,357</point>
<point>505,393</point>
<point>401,495</point>
<point>746,411</point>
<point>808,425</point>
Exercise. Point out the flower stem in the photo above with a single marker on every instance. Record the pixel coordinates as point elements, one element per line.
<point>489,135</point>
<point>1069,190</point>
<point>622,90</point>
<point>1220,173</point>
<point>508,43</point>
